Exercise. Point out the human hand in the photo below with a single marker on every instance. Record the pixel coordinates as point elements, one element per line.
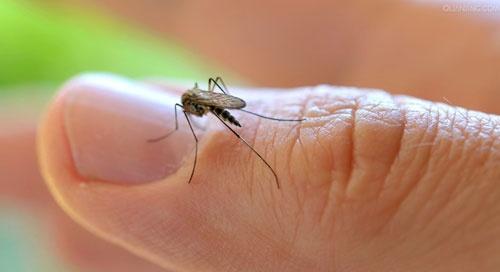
<point>22,187</point>
<point>418,48</point>
<point>370,182</point>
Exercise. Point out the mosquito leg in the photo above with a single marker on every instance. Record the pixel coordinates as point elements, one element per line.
<point>168,134</point>
<point>214,82</point>
<point>195,147</point>
<point>219,79</point>
<point>257,153</point>
<point>211,86</point>
<point>271,118</point>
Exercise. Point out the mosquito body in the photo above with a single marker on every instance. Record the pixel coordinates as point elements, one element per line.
<point>199,102</point>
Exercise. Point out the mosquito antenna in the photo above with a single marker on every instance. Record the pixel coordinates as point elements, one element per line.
<point>195,146</point>
<point>168,134</point>
<point>257,153</point>
<point>271,118</point>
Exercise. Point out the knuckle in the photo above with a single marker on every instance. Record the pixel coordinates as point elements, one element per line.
<point>350,140</point>
<point>371,146</point>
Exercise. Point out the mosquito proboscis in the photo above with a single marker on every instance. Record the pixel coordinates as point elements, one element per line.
<point>198,102</point>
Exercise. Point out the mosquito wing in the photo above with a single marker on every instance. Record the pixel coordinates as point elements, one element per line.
<point>218,100</point>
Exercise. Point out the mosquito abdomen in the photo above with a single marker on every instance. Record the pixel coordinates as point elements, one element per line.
<point>226,115</point>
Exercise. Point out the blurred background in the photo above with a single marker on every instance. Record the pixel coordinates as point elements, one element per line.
<point>436,50</point>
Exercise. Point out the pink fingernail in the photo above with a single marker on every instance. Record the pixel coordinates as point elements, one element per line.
<point>108,121</point>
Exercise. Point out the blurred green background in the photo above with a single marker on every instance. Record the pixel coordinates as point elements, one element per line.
<point>42,44</point>
<point>47,44</point>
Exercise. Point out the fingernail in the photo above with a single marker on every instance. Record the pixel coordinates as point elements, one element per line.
<point>108,121</point>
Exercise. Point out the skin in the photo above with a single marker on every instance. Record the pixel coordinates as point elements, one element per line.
<point>21,184</point>
<point>369,178</point>
<point>442,216</point>
<point>405,47</point>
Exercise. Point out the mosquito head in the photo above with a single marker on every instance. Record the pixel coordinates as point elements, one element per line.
<point>186,99</point>
<point>190,105</point>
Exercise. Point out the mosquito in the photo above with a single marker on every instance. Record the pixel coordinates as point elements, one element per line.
<point>199,102</point>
